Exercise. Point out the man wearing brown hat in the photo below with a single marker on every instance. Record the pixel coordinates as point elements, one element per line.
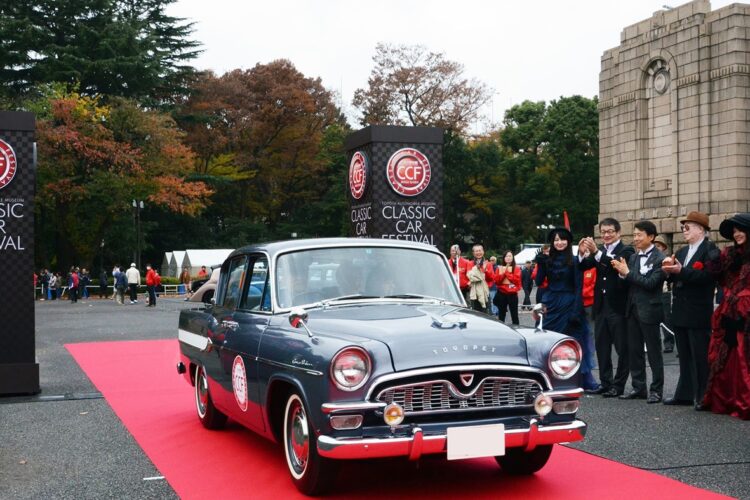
<point>692,306</point>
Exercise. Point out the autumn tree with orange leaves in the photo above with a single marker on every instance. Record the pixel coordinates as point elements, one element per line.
<point>94,159</point>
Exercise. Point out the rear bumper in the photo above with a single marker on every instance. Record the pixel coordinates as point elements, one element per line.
<point>419,444</point>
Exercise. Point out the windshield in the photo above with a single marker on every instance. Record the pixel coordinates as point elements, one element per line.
<point>321,274</point>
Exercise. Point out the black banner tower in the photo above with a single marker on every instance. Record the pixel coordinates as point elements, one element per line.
<point>19,371</point>
<point>395,183</point>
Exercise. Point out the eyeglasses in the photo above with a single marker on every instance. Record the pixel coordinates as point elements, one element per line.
<point>608,232</point>
<point>686,227</point>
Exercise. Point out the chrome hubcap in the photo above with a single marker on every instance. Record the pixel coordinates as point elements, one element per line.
<point>298,437</point>
<point>201,392</point>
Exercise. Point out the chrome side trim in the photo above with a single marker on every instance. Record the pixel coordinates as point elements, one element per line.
<point>289,367</point>
<point>418,444</point>
<point>328,408</point>
<point>193,339</point>
<point>565,393</point>
<point>452,368</point>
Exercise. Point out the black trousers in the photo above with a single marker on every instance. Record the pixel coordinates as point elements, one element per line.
<point>527,296</point>
<point>504,302</point>
<point>73,294</point>
<point>133,291</point>
<point>638,334</point>
<point>692,347</point>
<point>610,330</point>
<point>151,295</point>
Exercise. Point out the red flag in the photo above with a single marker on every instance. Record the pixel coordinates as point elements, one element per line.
<point>565,220</point>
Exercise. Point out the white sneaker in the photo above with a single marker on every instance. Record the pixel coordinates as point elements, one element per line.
<point>132,302</point>
<point>136,301</point>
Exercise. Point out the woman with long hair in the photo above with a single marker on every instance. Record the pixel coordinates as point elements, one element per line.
<point>728,389</point>
<point>508,281</point>
<point>564,299</point>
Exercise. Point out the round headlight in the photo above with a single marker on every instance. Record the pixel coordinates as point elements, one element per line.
<point>565,358</point>
<point>350,368</point>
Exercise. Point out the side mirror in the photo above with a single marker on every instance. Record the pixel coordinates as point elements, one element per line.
<point>537,313</point>
<point>297,318</point>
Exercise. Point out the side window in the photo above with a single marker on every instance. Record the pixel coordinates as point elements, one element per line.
<point>234,282</point>
<point>258,296</point>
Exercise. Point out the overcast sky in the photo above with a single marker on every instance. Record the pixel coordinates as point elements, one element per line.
<point>533,49</point>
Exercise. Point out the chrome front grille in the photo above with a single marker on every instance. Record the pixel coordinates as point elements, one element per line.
<point>443,395</point>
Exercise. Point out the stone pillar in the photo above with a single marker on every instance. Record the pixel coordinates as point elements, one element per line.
<point>19,372</point>
<point>395,183</point>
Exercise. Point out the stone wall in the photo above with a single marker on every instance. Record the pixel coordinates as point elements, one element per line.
<point>674,104</point>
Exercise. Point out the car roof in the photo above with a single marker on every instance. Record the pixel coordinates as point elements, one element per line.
<point>276,247</point>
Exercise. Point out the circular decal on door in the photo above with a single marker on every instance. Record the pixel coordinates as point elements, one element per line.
<point>358,174</point>
<point>7,164</point>
<point>239,382</point>
<point>408,172</point>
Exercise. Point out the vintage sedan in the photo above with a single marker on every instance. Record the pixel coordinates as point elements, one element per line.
<point>364,348</point>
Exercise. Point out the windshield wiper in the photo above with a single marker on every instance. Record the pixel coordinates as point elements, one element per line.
<point>349,297</point>
<point>415,296</point>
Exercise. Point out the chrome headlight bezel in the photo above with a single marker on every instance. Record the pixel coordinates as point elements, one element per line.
<point>336,376</point>
<point>575,347</point>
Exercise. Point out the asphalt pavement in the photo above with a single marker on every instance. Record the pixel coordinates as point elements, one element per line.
<point>67,443</point>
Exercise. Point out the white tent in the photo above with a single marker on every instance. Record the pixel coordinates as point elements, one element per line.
<point>194,259</point>
<point>164,269</point>
<point>529,253</point>
<point>175,263</point>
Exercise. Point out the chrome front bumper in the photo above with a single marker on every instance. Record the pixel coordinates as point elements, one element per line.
<point>418,444</point>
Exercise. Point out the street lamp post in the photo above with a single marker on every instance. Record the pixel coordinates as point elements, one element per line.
<point>137,207</point>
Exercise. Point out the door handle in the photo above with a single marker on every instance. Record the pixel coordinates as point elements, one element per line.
<point>232,325</point>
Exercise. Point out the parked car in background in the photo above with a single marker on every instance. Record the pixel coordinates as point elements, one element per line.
<point>346,349</point>
<point>206,289</point>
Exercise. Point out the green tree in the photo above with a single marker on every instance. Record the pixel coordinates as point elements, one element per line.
<point>128,48</point>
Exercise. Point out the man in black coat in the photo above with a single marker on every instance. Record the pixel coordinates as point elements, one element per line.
<point>610,295</point>
<point>692,307</point>
<point>644,312</point>
<point>527,284</point>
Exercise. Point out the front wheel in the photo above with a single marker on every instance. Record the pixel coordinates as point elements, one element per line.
<point>210,417</point>
<point>519,462</point>
<point>311,473</point>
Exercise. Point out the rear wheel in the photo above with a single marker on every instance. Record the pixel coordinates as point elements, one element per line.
<point>210,417</point>
<point>517,461</point>
<point>310,472</point>
<point>208,296</point>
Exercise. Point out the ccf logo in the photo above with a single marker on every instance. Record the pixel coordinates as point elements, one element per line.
<point>408,172</point>
<point>358,175</point>
<point>239,382</point>
<point>7,164</point>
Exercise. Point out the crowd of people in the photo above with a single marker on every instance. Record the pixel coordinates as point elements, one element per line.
<point>53,285</point>
<point>614,296</point>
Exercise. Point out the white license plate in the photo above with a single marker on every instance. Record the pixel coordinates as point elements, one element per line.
<point>476,441</point>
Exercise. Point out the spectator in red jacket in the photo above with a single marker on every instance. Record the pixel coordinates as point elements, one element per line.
<point>508,280</point>
<point>540,289</point>
<point>459,266</point>
<point>589,284</point>
<point>151,285</point>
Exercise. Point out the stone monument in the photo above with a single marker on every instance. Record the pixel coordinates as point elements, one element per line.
<point>674,103</point>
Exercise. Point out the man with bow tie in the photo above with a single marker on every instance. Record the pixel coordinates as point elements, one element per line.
<point>610,295</point>
<point>644,312</point>
<point>692,307</point>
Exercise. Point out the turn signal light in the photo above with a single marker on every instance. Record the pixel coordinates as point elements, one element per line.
<point>393,414</point>
<point>344,422</point>
<point>565,407</point>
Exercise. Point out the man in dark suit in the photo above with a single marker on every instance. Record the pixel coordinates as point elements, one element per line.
<point>610,295</point>
<point>692,307</point>
<point>644,312</point>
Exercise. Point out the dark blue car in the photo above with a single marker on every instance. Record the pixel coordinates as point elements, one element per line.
<point>362,348</point>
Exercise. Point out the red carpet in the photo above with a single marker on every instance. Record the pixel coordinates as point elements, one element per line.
<point>139,381</point>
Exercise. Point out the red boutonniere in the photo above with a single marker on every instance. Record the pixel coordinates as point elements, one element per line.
<point>698,265</point>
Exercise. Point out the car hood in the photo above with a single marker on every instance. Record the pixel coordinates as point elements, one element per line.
<point>423,335</point>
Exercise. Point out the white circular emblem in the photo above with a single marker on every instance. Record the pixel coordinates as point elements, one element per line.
<point>7,164</point>
<point>408,172</point>
<point>239,382</point>
<point>661,81</point>
<point>358,175</point>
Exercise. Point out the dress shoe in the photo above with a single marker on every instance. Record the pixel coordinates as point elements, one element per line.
<point>611,393</point>
<point>677,402</point>
<point>701,407</point>
<point>633,395</point>
<point>596,390</point>
<point>654,397</point>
